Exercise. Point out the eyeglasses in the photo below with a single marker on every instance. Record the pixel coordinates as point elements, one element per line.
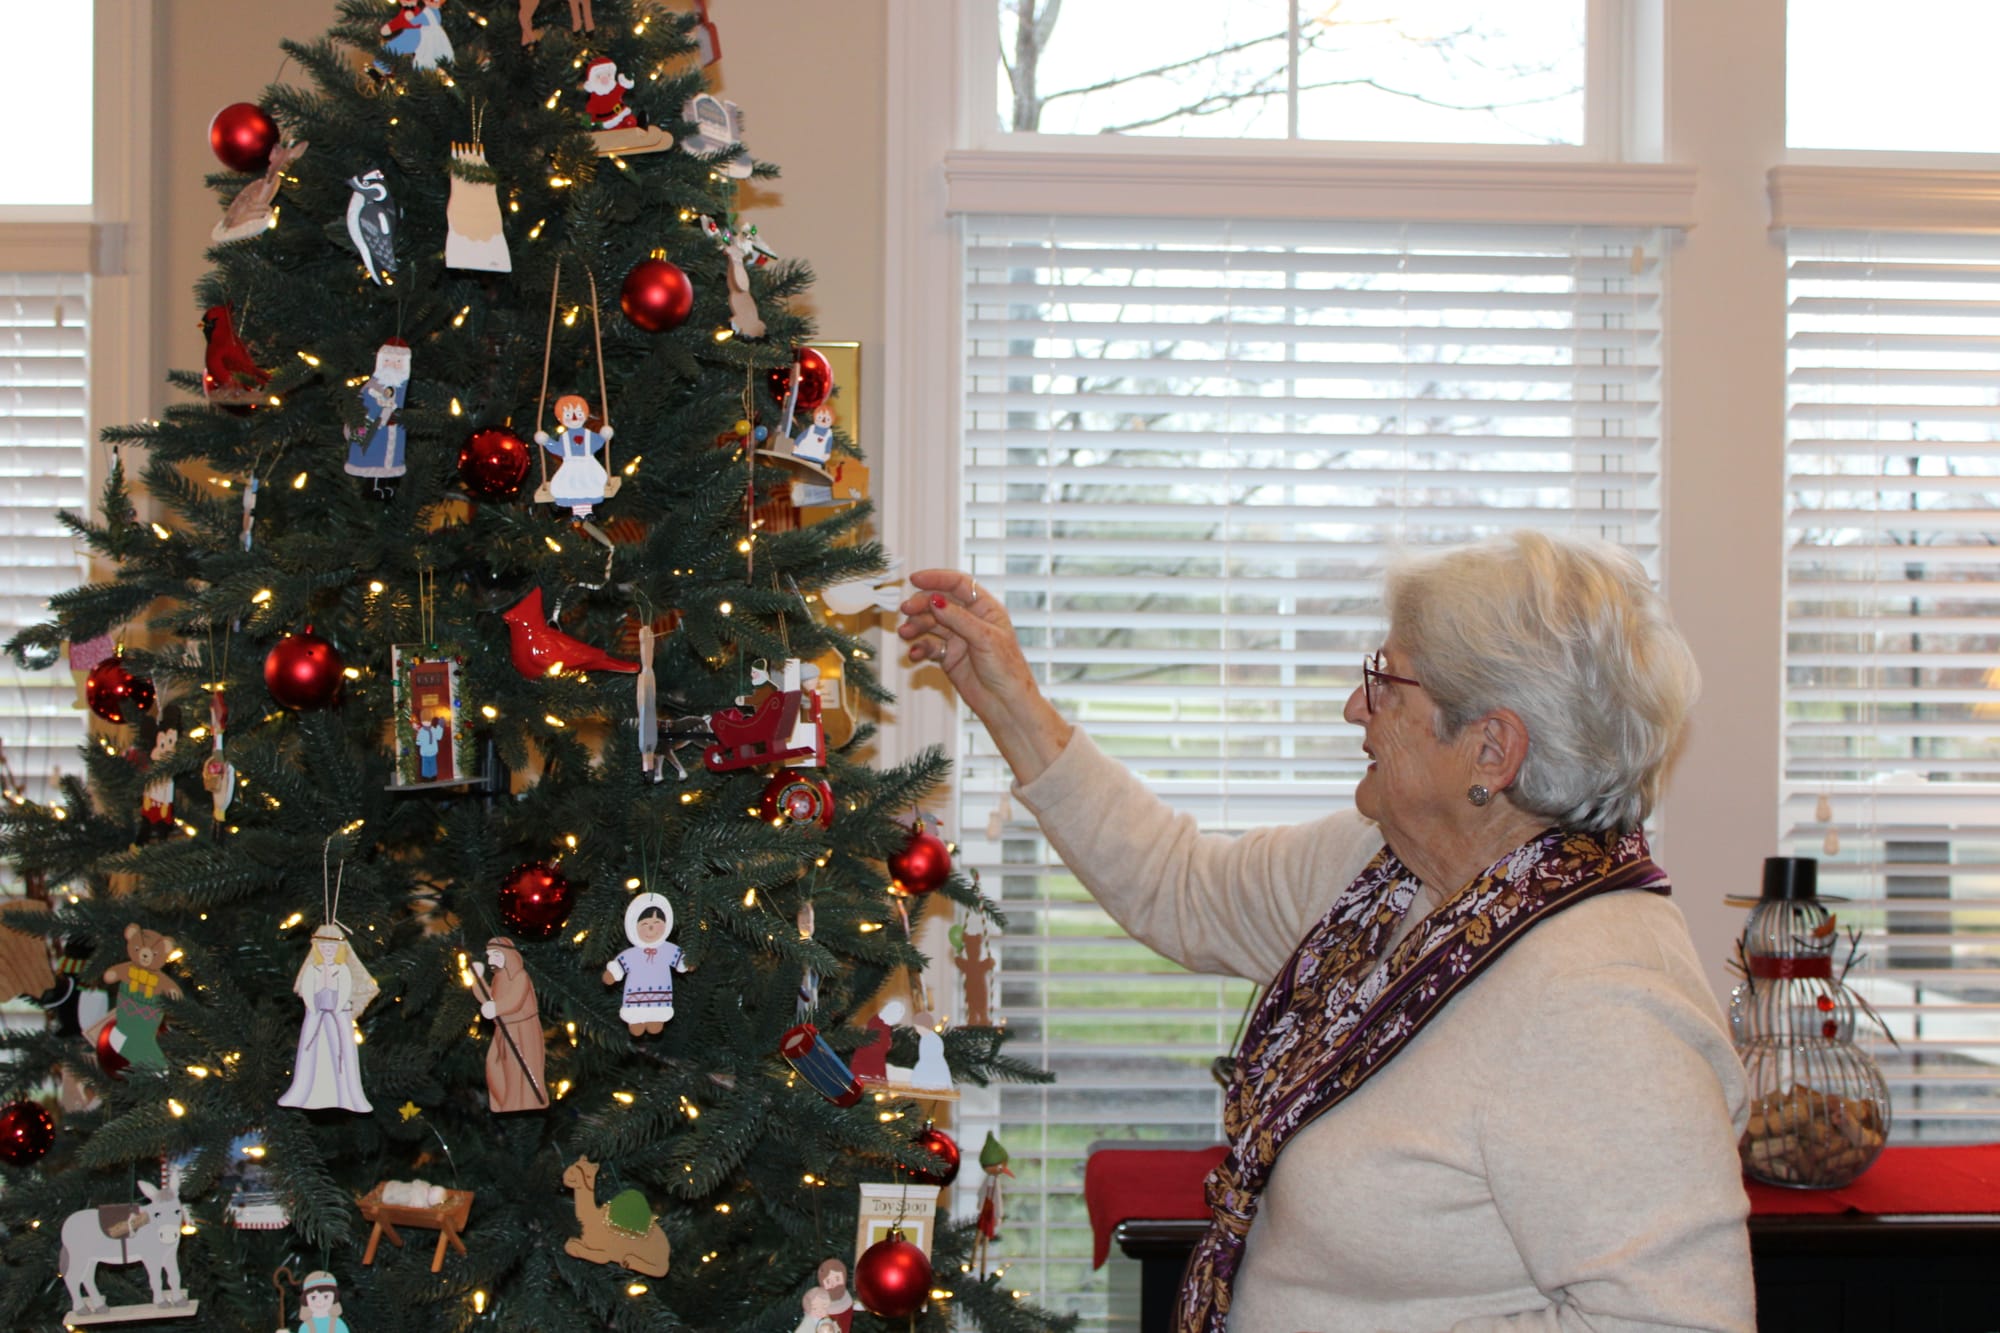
<point>1372,673</point>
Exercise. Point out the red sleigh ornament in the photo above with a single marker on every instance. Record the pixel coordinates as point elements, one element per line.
<point>746,741</point>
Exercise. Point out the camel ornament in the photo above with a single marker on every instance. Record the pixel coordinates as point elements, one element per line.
<point>625,1231</point>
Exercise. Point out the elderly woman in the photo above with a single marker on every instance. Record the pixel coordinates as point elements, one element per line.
<point>1487,1086</point>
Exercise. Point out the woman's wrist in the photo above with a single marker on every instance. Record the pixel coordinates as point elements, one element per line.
<point>1030,733</point>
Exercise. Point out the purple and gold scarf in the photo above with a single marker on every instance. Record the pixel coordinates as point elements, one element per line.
<point>1337,1012</point>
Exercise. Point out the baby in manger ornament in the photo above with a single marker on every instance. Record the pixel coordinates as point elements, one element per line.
<point>648,967</point>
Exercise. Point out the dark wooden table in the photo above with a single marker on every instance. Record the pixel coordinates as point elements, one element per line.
<point>1844,1273</point>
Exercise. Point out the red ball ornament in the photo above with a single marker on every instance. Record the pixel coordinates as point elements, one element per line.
<point>535,900</point>
<point>815,380</point>
<point>243,136</point>
<point>115,694</point>
<point>113,1064</point>
<point>944,1157</point>
<point>657,295</point>
<point>26,1133</point>
<point>893,1277</point>
<point>923,864</point>
<point>303,671</point>
<point>493,464</point>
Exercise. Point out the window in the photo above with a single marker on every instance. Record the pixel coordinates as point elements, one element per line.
<point>1918,78</point>
<point>1450,71</point>
<point>46,95</point>
<point>1892,718</point>
<point>1187,449</point>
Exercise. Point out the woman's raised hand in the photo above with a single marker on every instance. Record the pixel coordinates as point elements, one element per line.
<point>953,622</point>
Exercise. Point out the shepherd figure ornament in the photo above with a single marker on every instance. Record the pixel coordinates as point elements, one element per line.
<point>514,1060</point>
<point>648,967</point>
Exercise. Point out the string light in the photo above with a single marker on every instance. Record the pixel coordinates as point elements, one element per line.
<point>488,711</point>
<point>310,360</point>
<point>176,1108</point>
<point>637,1289</point>
<point>535,232</point>
<point>261,596</point>
<point>458,320</point>
<point>299,482</point>
<point>456,410</point>
<point>291,920</point>
<point>552,719</point>
<point>550,105</point>
<point>479,1297</point>
<point>633,882</point>
<point>199,1071</point>
<point>726,608</point>
<point>724,334</point>
<point>554,545</point>
<point>623,1098</point>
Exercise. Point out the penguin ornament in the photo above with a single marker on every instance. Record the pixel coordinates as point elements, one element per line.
<point>371,223</point>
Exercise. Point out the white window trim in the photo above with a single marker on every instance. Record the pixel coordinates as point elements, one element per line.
<point>1900,197</point>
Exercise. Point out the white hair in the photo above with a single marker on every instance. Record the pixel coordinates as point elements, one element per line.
<point>1569,634</point>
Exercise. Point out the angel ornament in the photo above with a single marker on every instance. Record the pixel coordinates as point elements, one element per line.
<point>336,988</point>
<point>648,967</point>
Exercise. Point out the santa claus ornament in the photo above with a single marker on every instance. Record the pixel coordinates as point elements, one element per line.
<point>376,447</point>
<point>621,127</point>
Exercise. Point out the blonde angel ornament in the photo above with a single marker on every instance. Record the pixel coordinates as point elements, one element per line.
<point>336,989</point>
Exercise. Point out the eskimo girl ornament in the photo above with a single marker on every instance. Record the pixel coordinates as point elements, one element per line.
<point>648,967</point>
<point>376,447</point>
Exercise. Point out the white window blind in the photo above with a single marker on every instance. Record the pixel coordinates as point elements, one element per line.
<point>1892,635</point>
<point>1188,449</point>
<point>43,451</point>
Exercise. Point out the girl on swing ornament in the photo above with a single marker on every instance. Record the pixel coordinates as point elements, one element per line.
<point>582,482</point>
<point>579,483</point>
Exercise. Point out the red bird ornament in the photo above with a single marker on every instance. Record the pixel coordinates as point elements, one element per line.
<point>540,649</point>
<point>229,377</point>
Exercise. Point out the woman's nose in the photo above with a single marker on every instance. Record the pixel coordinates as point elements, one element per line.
<point>1357,707</point>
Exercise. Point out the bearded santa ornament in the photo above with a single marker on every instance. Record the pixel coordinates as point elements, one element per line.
<point>607,89</point>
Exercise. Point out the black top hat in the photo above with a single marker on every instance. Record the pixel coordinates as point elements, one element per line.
<point>1790,878</point>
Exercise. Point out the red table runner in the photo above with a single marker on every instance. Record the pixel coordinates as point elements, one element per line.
<point>1120,1184</point>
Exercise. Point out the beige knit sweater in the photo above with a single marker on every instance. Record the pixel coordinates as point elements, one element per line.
<point>1556,1150</point>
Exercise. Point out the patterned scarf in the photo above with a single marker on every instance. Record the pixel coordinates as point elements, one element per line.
<point>1337,1012</point>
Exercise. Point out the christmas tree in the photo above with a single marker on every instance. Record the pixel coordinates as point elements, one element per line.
<point>416,900</point>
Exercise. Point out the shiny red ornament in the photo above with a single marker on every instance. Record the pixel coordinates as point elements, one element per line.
<point>657,295</point>
<point>795,796</point>
<point>26,1133</point>
<point>109,1061</point>
<point>815,380</point>
<point>893,1278</point>
<point>243,136</point>
<point>535,900</point>
<point>923,864</point>
<point>303,671</point>
<point>944,1157</point>
<point>115,694</point>
<point>493,464</point>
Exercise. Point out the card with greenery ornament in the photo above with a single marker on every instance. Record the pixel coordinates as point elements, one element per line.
<point>435,744</point>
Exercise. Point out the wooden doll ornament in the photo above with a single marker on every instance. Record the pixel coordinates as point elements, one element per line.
<point>582,482</point>
<point>336,989</point>
<point>319,1305</point>
<point>648,967</point>
<point>515,1059</point>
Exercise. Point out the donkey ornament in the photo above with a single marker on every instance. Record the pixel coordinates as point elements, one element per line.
<point>127,1233</point>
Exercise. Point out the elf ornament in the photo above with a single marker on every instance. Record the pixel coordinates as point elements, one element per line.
<point>992,1207</point>
<point>535,900</point>
<point>371,222</point>
<point>647,968</point>
<point>26,1133</point>
<point>493,464</point>
<point>893,1277</point>
<point>115,694</point>
<point>243,136</point>
<point>376,448</point>
<point>515,1059</point>
<point>473,238</point>
<point>302,671</point>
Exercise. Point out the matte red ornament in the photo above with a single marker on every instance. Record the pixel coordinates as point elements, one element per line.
<point>657,295</point>
<point>26,1133</point>
<point>923,864</point>
<point>944,1154</point>
<point>303,671</point>
<point>893,1278</point>
<point>535,900</point>
<point>109,1060</point>
<point>243,136</point>
<point>815,380</point>
<point>493,464</point>
<point>115,694</point>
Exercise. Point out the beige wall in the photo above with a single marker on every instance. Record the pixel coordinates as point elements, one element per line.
<point>803,74</point>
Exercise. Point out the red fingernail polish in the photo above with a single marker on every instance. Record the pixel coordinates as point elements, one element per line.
<point>937,600</point>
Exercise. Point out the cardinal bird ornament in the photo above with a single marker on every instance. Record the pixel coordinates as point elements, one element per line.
<point>540,649</point>
<point>229,377</point>
<point>371,222</point>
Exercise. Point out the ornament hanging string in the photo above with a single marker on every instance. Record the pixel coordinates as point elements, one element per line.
<point>427,604</point>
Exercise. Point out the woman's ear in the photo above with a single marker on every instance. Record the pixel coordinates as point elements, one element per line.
<point>1503,748</point>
